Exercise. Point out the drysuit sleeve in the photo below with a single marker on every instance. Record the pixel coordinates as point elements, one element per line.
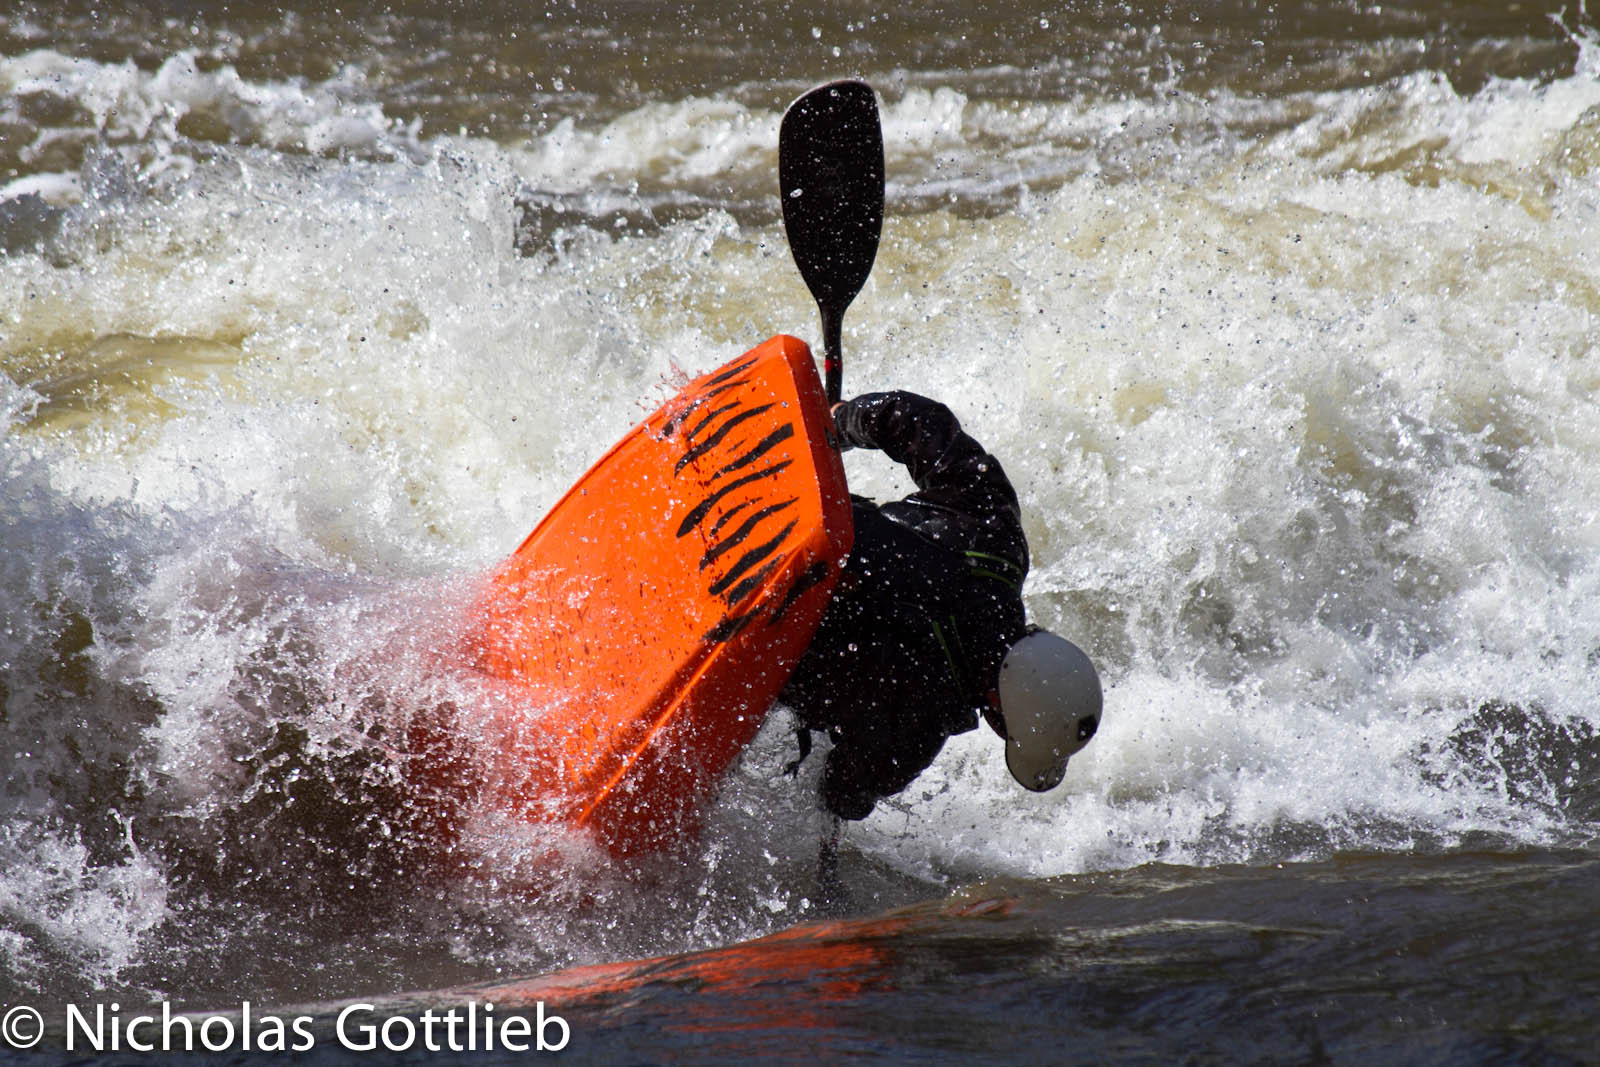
<point>964,499</point>
<point>858,773</point>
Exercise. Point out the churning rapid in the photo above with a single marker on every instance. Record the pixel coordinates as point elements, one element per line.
<point>1285,330</point>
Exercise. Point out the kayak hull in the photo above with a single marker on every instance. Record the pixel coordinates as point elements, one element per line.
<point>649,621</point>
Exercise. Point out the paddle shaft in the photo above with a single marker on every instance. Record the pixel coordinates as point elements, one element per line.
<point>832,360</point>
<point>829,888</point>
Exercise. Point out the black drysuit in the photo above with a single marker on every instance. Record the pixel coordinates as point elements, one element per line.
<point>930,600</point>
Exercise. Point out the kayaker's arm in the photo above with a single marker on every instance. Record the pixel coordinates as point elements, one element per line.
<point>876,760</point>
<point>964,499</point>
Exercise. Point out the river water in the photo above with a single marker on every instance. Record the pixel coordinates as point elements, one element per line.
<point>1283,317</point>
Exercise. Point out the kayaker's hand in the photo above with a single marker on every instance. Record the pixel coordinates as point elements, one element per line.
<point>833,429</point>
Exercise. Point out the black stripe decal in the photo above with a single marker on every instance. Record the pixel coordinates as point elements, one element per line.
<point>752,583</point>
<point>727,516</point>
<point>738,368</point>
<point>730,626</point>
<point>715,439</point>
<point>776,437</point>
<point>702,509</point>
<point>670,427</point>
<point>689,435</point>
<point>750,559</point>
<point>813,576</point>
<point>695,405</point>
<point>734,539</point>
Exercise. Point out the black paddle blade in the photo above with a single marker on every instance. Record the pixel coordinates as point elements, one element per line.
<point>830,173</point>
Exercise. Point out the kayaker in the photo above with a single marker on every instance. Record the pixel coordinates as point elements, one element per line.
<point>926,628</point>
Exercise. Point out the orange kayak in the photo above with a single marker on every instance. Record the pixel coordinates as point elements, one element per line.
<point>650,620</point>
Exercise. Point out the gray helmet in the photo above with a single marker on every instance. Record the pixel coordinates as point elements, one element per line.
<point>1050,700</point>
